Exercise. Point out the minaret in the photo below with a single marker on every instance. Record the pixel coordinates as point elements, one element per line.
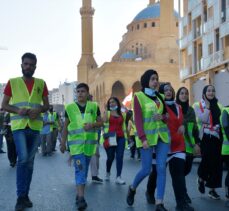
<point>87,61</point>
<point>167,17</point>
<point>152,2</point>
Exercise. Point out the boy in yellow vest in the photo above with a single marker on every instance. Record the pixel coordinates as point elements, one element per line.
<point>82,119</point>
<point>25,98</point>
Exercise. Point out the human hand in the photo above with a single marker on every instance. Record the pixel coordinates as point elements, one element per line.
<point>197,150</point>
<point>62,146</point>
<point>34,113</point>
<point>145,144</point>
<point>23,111</point>
<point>181,130</point>
<point>87,126</point>
<point>157,117</point>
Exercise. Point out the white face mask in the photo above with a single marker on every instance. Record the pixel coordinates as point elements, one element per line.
<point>149,92</point>
<point>114,108</point>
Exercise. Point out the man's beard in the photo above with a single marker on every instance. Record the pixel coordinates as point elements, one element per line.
<point>28,74</point>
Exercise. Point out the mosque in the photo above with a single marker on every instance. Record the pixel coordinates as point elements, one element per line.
<point>149,43</point>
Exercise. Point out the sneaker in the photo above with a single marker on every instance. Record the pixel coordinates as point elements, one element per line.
<point>20,205</point>
<point>150,198</point>
<point>187,198</point>
<point>184,207</point>
<point>201,186</point>
<point>160,207</point>
<point>82,204</point>
<point>120,181</point>
<point>96,179</point>
<point>1,151</point>
<point>13,164</point>
<point>130,196</point>
<point>28,202</point>
<point>77,199</point>
<point>107,177</point>
<point>213,195</point>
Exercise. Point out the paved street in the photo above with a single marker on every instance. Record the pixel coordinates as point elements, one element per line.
<point>53,188</point>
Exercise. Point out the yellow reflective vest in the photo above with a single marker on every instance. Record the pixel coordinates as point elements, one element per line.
<point>225,146</point>
<point>22,99</point>
<point>79,140</point>
<point>153,129</point>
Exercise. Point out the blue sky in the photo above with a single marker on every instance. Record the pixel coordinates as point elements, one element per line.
<point>52,30</point>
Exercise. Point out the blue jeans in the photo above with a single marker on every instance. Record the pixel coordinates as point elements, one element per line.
<point>26,142</point>
<point>81,164</point>
<point>161,150</point>
<point>119,150</point>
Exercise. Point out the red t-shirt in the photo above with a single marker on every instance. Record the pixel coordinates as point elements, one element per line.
<point>29,84</point>
<point>115,125</point>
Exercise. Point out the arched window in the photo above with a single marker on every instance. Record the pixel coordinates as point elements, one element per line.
<point>153,24</point>
<point>138,26</point>
<point>145,25</point>
<point>118,90</point>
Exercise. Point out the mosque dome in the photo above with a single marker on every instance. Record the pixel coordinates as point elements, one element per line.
<point>151,11</point>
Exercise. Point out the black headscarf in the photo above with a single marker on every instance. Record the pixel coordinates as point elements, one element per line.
<point>145,84</point>
<point>184,105</point>
<point>214,108</point>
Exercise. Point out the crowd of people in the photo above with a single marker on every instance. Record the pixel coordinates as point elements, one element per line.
<point>162,128</point>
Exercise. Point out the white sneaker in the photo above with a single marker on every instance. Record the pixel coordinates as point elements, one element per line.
<point>107,177</point>
<point>120,181</point>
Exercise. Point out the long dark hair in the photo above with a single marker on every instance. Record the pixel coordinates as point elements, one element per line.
<point>184,105</point>
<point>118,104</point>
<point>214,108</point>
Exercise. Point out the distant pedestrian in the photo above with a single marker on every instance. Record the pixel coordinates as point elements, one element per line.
<point>82,121</point>
<point>26,98</point>
<point>46,134</point>
<point>208,112</point>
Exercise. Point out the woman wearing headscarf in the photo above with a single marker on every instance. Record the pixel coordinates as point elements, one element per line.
<point>152,134</point>
<point>176,155</point>
<point>208,113</point>
<point>191,133</point>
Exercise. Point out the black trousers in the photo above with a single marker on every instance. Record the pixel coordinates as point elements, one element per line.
<point>11,149</point>
<point>226,161</point>
<point>210,168</point>
<point>188,166</point>
<point>133,148</point>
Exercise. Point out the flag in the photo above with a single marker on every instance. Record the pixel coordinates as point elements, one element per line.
<point>127,100</point>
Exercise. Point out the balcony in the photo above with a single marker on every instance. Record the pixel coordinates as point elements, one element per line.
<point>218,57</point>
<point>198,31</point>
<point>208,61</point>
<point>224,29</point>
<point>213,59</point>
<point>190,36</point>
<point>184,72</point>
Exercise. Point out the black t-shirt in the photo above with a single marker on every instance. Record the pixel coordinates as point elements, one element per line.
<point>82,110</point>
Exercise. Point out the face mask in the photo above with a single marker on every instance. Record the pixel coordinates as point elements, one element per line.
<point>149,92</point>
<point>114,108</point>
<point>169,102</point>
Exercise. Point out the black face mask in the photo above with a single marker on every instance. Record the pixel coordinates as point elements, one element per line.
<point>28,74</point>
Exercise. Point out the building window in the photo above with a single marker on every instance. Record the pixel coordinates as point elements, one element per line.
<point>227,41</point>
<point>210,49</point>
<point>205,13</point>
<point>132,28</point>
<point>190,21</point>
<point>138,26</point>
<point>217,40</point>
<point>223,10</point>
<point>153,24</point>
<point>210,12</point>
<point>177,24</point>
<point>145,25</point>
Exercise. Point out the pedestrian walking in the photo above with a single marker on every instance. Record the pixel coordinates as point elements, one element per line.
<point>46,134</point>
<point>82,121</point>
<point>25,98</point>
<point>114,138</point>
<point>149,116</point>
<point>1,130</point>
<point>208,112</point>
<point>191,133</point>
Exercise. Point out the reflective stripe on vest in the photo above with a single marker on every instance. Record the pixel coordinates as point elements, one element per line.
<point>21,98</point>
<point>153,129</point>
<point>79,140</point>
<point>225,145</point>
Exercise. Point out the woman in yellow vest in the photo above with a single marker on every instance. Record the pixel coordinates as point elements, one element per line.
<point>114,137</point>
<point>208,114</point>
<point>191,134</point>
<point>80,129</point>
<point>152,133</point>
<point>224,120</point>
